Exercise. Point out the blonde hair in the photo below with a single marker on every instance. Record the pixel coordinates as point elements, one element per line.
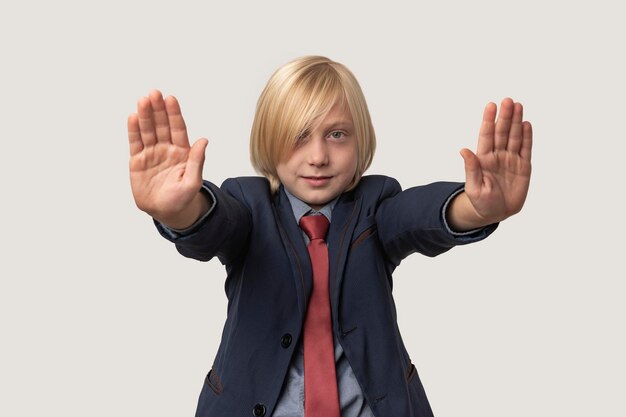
<point>296,95</point>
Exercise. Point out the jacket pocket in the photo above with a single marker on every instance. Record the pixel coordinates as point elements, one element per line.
<point>213,381</point>
<point>366,229</point>
<point>419,401</point>
<point>411,373</point>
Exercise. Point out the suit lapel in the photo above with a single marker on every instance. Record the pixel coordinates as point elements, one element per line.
<point>344,219</point>
<point>342,226</point>
<point>295,248</point>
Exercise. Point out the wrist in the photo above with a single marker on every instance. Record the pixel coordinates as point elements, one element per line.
<point>461,215</point>
<point>198,206</point>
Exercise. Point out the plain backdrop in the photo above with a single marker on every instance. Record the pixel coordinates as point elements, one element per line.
<point>100,316</point>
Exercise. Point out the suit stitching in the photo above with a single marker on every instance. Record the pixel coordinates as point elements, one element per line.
<point>334,274</point>
<point>412,373</point>
<point>366,233</point>
<point>216,387</point>
<point>347,332</point>
<point>343,236</point>
<point>244,202</point>
<point>295,256</point>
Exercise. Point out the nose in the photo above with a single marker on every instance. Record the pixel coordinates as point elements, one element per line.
<point>318,152</point>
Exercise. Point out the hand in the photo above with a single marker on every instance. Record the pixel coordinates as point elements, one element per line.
<point>165,172</point>
<point>498,174</point>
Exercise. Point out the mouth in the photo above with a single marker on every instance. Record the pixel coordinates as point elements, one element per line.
<point>317,181</point>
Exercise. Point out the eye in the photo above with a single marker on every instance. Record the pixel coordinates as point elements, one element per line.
<point>337,134</point>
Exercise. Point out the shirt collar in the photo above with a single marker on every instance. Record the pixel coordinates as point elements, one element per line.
<point>300,208</point>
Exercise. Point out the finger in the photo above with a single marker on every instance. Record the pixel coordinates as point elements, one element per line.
<point>146,125</point>
<point>503,124</point>
<point>527,141</point>
<point>195,163</point>
<point>473,173</point>
<point>178,128</point>
<point>161,123</point>
<point>515,135</point>
<point>485,135</point>
<point>134,137</point>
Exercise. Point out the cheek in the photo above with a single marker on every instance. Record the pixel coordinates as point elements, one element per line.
<point>288,164</point>
<point>351,162</point>
<point>281,171</point>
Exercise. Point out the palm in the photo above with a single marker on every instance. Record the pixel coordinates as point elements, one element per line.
<point>165,172</point>
<point>498,175</point>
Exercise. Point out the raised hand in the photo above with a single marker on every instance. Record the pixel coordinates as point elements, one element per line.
<point>165,172</point>
<point>498,174</point>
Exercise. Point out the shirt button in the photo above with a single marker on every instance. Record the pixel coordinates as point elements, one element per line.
<point>258,410</point>
<point>285,341</point>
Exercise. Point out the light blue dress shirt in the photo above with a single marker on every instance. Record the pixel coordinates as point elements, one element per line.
<point>291,400</point>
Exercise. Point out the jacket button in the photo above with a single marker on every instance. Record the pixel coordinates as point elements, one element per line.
<point>258,410</point>
<point>285,341</point>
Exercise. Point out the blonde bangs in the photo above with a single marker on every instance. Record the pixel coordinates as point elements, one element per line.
<point>297,96</point>
<point>310,102</point>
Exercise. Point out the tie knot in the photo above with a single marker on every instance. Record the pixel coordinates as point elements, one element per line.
<point>315,227</point>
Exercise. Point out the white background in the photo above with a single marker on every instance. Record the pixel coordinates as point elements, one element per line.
<point>100,316</point>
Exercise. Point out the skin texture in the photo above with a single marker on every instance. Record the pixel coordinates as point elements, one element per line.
<point>497,176</point>
<point>166,172</point>
<point>324,162</point>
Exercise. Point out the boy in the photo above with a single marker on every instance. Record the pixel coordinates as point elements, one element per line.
<point>311,327</point>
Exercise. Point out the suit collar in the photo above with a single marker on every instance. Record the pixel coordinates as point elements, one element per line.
<point>344,219</point>
<point>339,238</point>
<point>294,245</point>
<point>300,208</point>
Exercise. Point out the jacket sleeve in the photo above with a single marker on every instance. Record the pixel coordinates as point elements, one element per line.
<point>413,220</point>
<point>222,233</point>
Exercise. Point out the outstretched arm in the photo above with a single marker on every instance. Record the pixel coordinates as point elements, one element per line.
<point>497,176</point>
<point>165,172</point>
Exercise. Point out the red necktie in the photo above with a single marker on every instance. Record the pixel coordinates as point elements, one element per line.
<point>321,398</point>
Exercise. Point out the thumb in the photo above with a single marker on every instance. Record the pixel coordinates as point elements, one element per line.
<point>195,161</point>
<point>473,173</point>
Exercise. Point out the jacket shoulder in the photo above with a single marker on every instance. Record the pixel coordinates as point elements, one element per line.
<point>376,188</point>
<point>247,189</point>
<point>249,183</point>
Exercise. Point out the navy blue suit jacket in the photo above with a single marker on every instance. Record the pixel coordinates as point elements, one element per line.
<point>254,234</point>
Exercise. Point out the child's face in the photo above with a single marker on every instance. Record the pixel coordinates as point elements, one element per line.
<point>323,163</point>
